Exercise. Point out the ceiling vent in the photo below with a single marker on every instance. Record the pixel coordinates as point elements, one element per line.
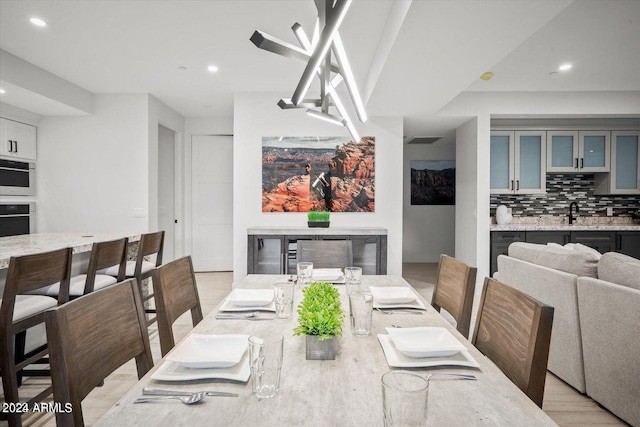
<point>422,139</point>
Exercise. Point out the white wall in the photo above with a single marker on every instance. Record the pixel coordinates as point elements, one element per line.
<point>92,171</point>
<point>428,231</point>
<point>472,194</point>
<point>257,115</point>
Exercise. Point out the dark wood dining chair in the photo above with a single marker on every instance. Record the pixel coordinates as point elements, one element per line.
<point>176,293</point>
<point>325,253</point>
<point>150,246</point>
<point>84,348</point>
<point>103,255</point>
<point>455,285</point>
<point>514,330</point>
<point>19,312</point>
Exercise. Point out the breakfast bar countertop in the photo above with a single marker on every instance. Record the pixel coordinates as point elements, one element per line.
<point>27,244</point>
<point>556,223</point>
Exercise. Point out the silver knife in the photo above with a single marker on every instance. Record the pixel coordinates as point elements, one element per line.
<point>160,392</point>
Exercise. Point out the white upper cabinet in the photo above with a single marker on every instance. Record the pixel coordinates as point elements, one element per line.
<point>17,140</point>
<point>518,162</point>
<point>578,151</point>
<point>624,177</point>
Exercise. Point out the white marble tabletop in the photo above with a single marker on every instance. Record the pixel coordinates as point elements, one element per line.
<point>341,392</point>
<point>27,244</point>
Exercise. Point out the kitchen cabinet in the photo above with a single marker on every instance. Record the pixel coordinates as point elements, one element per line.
<point>628,243</point>
<point>624,177</point>
<point>17,139</point>
<point>578,151</point>
<point>544,237</point>
<point>518,162</point>
<point>273,251</point>
<point>500,241</point>
<point>602,241</point>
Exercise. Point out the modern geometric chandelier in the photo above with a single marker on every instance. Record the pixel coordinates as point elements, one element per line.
<point>317,53</point>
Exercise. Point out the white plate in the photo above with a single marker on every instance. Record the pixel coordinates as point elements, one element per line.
<point>229,306</point>
<point>210,351</point>
<point>427,341</point>
<point>392,294</point>
<point>171,371</point>
<point>417,304</point>
<point>395,359</point>
<point>327,275</point>
<point>250,297</point>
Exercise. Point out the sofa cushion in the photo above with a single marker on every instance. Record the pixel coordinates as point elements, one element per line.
<point>580,263</point>
<point>620,269</point>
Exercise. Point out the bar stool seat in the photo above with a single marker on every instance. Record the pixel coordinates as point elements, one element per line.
<point>76,288</point>
<point>130,269</point>
<point>27,305</point>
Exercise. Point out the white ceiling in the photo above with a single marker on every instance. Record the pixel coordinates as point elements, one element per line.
<point>440,50</point>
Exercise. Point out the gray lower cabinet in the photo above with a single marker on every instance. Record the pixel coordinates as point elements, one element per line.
<point>276,254</point>
<point>626,242</point>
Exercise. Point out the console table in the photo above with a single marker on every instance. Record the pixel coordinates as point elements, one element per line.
<point>272,250</point>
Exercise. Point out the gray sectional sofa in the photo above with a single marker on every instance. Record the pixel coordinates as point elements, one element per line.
<point>595,342</point>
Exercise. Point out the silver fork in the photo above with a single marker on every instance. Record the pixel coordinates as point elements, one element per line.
<point>451,376</point>
<point>160,392</point>
<point>187,400</point>
<point>399,311</point>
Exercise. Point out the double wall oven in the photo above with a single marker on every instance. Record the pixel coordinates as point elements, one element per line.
<point>17,178</point>
<point>17,218</point>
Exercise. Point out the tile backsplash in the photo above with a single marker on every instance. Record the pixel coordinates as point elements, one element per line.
<point>562,189</point>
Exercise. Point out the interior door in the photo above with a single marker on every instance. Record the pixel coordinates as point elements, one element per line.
<point>212,202</point>
<point>166,190</point>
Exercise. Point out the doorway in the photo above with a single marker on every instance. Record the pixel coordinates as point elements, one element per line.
<point>166,190</point>
<point>212,202</point>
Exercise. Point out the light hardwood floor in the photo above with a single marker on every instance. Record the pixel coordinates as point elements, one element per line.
<point>563,404</point>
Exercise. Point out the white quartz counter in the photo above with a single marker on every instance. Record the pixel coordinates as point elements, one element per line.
<point>27,244</point>
<point>319,231</point>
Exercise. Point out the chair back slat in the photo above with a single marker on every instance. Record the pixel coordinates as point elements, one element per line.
<point>176,292</point>
<point>514,331</point>
<point>104,255</point>
<point>91,337</point>
<point>454,290</point>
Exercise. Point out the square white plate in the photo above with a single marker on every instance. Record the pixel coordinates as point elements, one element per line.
<point>250,297</point>
<point>171,371</point>
<point>332,275</point>
<point>210,351</point>
<point>395,359</point>
<point>392,294</point>
<point>417,304</point>
<point>426,341</point>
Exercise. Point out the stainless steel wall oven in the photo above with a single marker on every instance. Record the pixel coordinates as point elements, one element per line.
<point>17,178</point>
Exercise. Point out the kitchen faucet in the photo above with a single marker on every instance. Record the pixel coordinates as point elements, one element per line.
<point>571,217</point>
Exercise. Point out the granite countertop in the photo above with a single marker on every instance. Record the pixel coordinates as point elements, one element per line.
<point>27,244</point>
<point>562,224</point>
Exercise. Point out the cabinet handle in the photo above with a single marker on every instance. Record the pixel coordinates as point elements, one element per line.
<point>10,144</point>
<point>576,163</point>
<point>517,184</point>
<point>511,185</point>
<point>618,242</point>
<point>582,163</point>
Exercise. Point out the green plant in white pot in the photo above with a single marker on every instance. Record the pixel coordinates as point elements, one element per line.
<point>320,318</point>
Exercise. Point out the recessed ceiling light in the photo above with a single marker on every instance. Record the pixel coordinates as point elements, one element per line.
<point>207,106</point>
<point>487,76</point>
<point>38,22</point>
<point>182,68</point>
<point>2,91</point>
<point>212,69</point>
<point>565,67</point>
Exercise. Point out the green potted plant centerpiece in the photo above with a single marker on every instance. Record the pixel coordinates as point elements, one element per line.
<point>320,318</point>
<point>318,219</point>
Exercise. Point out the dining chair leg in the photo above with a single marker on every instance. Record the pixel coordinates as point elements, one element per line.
<point>9,379</point>
<point>20,343</point>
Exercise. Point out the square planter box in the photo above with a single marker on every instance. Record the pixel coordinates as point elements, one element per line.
<point>320,350</point>
<point>314,224</point>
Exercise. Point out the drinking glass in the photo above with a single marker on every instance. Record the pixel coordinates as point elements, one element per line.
<point>283,296</point>
<point>360,308</point>
<point>265,358</point>
<point>353,278</point>
<point>305,271</point>
<point>404,399</point>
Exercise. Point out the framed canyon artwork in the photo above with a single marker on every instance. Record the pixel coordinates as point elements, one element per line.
<point>302,174</point>
<point>433,182</point>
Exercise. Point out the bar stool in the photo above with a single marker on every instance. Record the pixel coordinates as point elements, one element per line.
<point>19,312</point>
<point>150,244</point>
<point>103,255</point>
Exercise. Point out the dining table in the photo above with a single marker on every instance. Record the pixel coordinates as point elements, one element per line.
<point>345,391</point>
